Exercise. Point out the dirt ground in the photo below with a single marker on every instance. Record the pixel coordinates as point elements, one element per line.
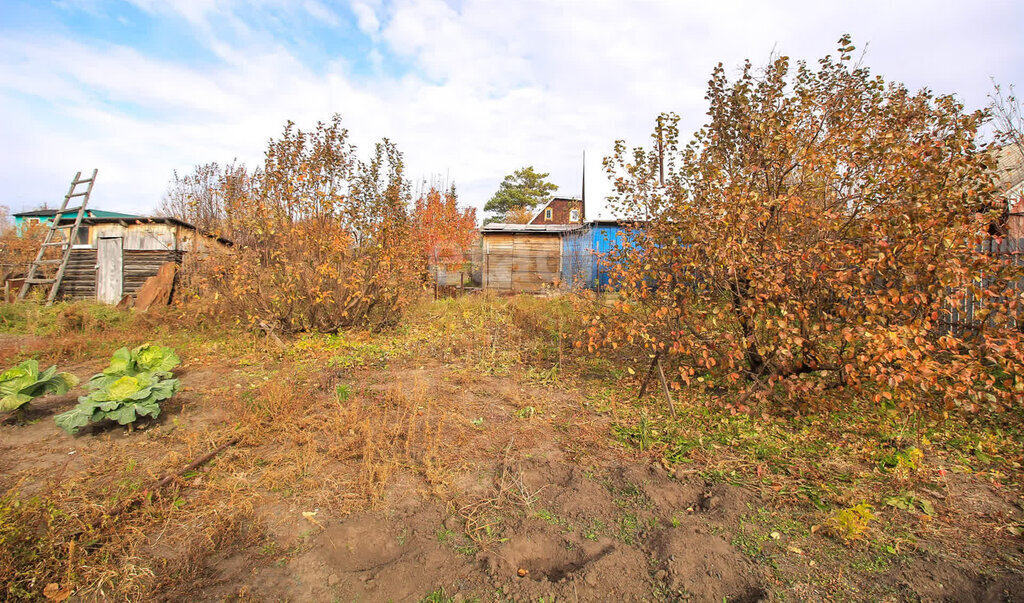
<point>433,481</point>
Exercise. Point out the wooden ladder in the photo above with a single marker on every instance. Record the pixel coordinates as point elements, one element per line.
<point>65,240</point>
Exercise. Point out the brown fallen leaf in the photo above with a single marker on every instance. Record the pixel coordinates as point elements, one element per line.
<point>311,516</point>
<point>54,592</point>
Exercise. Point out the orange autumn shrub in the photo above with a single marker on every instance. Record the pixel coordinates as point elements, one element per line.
<point>810,240</point>
<point>18,248</point>
<point>322,238</point>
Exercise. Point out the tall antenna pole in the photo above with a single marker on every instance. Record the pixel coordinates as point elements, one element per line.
<point>583,192</point>
<point>661,154</point>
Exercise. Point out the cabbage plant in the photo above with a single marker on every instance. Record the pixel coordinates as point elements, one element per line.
<point>132,386</point>
<point>123,399</point>
<point>156,360</point>
<point>24,382</point>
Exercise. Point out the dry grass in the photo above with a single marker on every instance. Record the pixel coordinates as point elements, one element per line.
<point>336,423</point>
<point>296,442</point>
<point>64,536</point>
<point>310,442</point>
<point>509,495</point>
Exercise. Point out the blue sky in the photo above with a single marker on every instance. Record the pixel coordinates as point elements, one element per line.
<point>470,90</point>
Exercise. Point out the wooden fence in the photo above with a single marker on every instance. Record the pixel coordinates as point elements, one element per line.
<point>963,309</point>
<point>455,278</point>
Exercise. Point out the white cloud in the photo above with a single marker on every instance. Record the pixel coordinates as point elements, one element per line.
<point>321,12</point>
<point>366,17</point>
<point>493,86</point>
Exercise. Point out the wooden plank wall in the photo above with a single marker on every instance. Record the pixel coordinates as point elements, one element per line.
<point>148,236</point>
<point>498,261</point>
<point>521,262</point>
<point>139,264</point>
<point>536,262</point>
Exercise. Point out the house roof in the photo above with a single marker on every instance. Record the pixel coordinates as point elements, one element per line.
<point>1009,167</point>
<point>550,201</point>
<point>130,221</point>
<point>532,228</point>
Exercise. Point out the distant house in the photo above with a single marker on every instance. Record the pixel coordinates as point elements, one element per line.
<point>113,256</point>
<point>1010,182</point>
<point>522,258</point>
<point>561,210</point>
<point>45,216</point>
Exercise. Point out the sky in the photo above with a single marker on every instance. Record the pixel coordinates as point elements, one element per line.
<point>470,90</point>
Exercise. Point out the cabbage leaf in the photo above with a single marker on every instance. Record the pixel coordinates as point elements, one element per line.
<point>19,385</point>
<point>147,358</point>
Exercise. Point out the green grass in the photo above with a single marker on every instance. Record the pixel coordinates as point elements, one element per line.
<point>594,530</point>
<point>443,535</point>
<point>821,460</point>
<point>551,518</point>
<point>629,528</point>
<point>437,596</point>
<point>60,318</point>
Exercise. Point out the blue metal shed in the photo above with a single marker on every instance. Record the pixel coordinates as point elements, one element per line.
<point>585,253</point>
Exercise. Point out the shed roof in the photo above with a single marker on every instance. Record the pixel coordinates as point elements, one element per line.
<point>47,213</point>
<point>495,227</point>
<point>616,222</point>
<point>44,212</point>
<point>139,220</point>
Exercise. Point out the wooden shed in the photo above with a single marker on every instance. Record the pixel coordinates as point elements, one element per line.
<point>113,257</point>
<point>522,258</point>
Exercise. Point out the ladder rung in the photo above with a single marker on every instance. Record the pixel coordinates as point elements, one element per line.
<point>81,194</point>
<point>83,181</point>
<point>49,261</point>
<point>40,281</point>
<point>61,243</point>
<point>63,226</point>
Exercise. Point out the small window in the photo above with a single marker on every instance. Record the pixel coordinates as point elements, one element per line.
<point>574,215</point>
<point>82,236</point>
<point>547,214</point>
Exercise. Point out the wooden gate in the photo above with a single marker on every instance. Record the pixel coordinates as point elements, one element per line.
<point>109,270</point>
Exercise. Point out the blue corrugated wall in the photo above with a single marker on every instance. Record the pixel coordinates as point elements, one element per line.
<point>585,253</point>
